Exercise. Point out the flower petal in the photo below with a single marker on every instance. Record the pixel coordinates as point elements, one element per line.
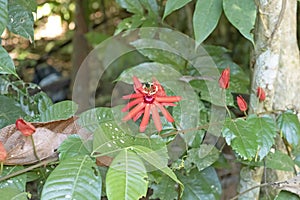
<point>137,116</point>
<point>156,118</point>
<point>137,84</point>
<point>161,91</point>
<point>241,103</point>
<point>224,78</point>
<point>145,119</point>
<point>132,103</point>
<point>164,111</point>
<point>134,111</point>
<point>261,94</point>
<point>168,99</point>
<point>26,128</point>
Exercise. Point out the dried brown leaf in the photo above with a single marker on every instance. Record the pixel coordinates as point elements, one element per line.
<point>291,185</point>
<point>104,161</point>
<point>47,138</point>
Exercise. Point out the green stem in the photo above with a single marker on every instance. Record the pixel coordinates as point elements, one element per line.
<point>1,168</point>
<point>228,111</point>
<point>34,149</point>
<point>43,163</point>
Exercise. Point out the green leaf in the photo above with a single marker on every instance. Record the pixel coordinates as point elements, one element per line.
<point>132,22</point>
<point>74,178</point>
<point>9,111</point>
<point>133,6</point>
<point>151,8</point>
<point>30,5</point>
<point>43,101</point>
<point>201,185</point>
<point>164,189</point>
<point>206,17</point>
<point>279,161</point>
<point>156,160</point>
<point>18,182</point>
<point>242,15</point>
<point>72,147</point>
<point>58,111</point>
<point>239,80</point>
<point>21,93</point>
<point>161,72</point>
<point>276,160</point>
<point>290,127</point>
<point>173,5</point>
<point>21,19</point>
<point>92,118</point>
<point>284,195</point>
<point>126,177</point>
<point>203,157</point>
<point>6,64</point>
<point>12,193</point>
<point>110,139</point>
<point>3,15</point>
<point>186,113</point>
<point>4,84</point>
<point>159,51</point>
<point>251,137</point>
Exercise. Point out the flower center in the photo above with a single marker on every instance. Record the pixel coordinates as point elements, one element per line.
<point>148,99</point>
<point>149,89</point>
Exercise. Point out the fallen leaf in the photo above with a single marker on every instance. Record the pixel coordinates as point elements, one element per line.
<point>104,161</point>
<point>47,138</point>
<point>291,185</point>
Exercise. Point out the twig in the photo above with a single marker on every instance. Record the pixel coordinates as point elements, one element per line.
<point>42,163</point>
<point>246,191</point>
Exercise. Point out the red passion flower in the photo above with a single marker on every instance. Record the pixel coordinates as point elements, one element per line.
<point>149,98</point>
<point>241,103</point>
<point>3,153</point>
<point>261,94</point>
<point>224,78</point>
<point>24,127</point>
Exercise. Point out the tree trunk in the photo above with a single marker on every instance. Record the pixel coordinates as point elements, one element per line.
<point>277,68</point>
<point>80,84</point>
<point>276,65</point>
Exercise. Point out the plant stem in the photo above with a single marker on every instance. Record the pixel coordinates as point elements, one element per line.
<point>228,111</point>
<point>246,191</point>
<point>43,163</point>
<point>1,168</point>
<point>34,150</point>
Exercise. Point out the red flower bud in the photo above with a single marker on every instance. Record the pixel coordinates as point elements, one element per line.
<point>24,127</point>
<point>241,103</point>
<point>261,94</point>
<point>3,153</point>
<point>224,78</point>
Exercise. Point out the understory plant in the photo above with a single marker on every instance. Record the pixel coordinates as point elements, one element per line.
<point>166,139</point>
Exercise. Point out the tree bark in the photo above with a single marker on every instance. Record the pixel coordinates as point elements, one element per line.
<point>80,90</point>
<point>276,66</point>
